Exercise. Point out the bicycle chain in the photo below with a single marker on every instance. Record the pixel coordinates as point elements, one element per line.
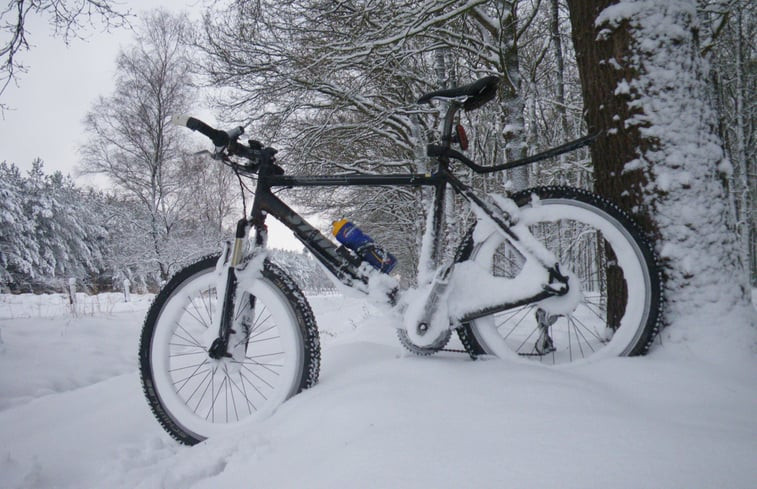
<point>453,350</point>
<point>428,351</point>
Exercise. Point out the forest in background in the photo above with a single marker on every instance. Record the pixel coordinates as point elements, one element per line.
<point>334,87</point>
<point>52,230</point>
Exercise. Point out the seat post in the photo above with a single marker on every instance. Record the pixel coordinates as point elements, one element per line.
<point>449,119</point>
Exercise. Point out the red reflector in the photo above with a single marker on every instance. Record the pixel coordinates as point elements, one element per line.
<point>462,138</point>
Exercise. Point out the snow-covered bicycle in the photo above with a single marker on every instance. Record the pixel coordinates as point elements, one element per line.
<point>553,274</point>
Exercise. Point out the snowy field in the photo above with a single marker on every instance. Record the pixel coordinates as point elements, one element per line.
<point>72,414</point>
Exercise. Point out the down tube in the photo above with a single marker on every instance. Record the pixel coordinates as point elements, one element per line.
<point>323,249</point>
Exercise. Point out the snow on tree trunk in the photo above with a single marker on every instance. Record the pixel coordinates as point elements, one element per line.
<point>127,289</point>
<point>72,291</point>
<point>648,89</point>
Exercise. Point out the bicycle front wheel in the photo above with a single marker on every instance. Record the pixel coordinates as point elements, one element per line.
<point>195,396</point>
<point>620,310</point>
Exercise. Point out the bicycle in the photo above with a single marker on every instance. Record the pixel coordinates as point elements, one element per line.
<point>561,275</point>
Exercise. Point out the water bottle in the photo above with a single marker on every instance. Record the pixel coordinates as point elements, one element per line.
<point>355,239</point>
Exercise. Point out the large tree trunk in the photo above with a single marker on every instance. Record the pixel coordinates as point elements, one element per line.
<point>659,156</point>
<point>607,111</point>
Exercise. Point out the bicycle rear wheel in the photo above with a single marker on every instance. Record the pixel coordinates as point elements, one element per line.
<point>620,311</point>
<point>195,396</point>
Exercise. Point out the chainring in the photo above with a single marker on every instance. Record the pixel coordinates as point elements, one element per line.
<point>434,347</point>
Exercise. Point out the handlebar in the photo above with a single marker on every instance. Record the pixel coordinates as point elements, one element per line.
<point>227,140</point>
<point>220,138</point>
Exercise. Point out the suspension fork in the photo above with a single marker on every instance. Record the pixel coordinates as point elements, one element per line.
<point>219,348</point>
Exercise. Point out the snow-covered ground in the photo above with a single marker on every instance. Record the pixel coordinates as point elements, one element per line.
<point>72,414</point>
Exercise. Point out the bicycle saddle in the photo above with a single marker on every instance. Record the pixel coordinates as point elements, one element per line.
<point>479,92</point>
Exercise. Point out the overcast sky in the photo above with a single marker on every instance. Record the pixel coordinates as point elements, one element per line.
<point>62,82</point>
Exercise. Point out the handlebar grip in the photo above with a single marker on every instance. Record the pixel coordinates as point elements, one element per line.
<point>219,138</point>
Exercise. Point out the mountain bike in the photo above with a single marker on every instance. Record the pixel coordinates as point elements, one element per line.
<point>553,274</point>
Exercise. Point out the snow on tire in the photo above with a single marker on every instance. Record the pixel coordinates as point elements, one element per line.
<point>194,396</point>
<point>620,311</point>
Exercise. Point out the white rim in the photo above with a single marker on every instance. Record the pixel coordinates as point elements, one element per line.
<point>270,373</point>
<point>630,259</point>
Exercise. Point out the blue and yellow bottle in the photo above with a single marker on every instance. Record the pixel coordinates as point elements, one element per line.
<point>355,239</point>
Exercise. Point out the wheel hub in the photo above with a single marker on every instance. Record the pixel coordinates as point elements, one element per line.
<point>217,350</point>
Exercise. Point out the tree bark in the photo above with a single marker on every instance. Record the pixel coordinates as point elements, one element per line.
<point>607,111</point>
<point>659,156</point>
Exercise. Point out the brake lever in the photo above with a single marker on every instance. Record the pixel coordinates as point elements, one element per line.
<point>214,155</point>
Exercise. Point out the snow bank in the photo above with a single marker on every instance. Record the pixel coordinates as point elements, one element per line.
<point>681,417</point>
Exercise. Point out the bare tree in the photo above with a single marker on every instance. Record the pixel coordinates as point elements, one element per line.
<point>337,83</point>
<point>131,140</point>
<point>67,18</point>
<point>729,28</point>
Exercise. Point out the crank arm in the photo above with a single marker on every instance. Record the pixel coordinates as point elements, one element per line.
<point>438,289</point>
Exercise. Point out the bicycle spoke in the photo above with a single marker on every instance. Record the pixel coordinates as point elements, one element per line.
<point>244,391</point>
<point>203,352</point>
<point>241,310</point>
<point>207,304</point>
<point>191,341</point>
<point>588,329</point>
<point>208,375</point>
<point>226,393</point>
<point>186,380</point>
<point>254,362</point>
<point>187,345</point>
<point>191,336</point>
<point>262,332</point>
<point>602,318</point>
<point>256,342</point>
<point>536,328</point>
<point>580,335</point>
<point>258,323</point>
<point>257,376</point>
<point>197,317</point>
<point>508,315</point>
<point>212,409</point>
<point>525,315</point>
<point>186,367</point>
<point>263,365</point>
<point>264,355</point>
<point>244,377</point>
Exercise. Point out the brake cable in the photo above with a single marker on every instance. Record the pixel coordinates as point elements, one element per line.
<point>242,188</point>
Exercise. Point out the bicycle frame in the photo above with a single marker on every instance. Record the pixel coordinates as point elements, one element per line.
<point>345,270</point>
<point>356,275</point>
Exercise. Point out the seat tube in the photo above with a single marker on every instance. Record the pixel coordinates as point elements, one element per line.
<point>437,222</point>
<point>441,187</point>
<point>449,119</point>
